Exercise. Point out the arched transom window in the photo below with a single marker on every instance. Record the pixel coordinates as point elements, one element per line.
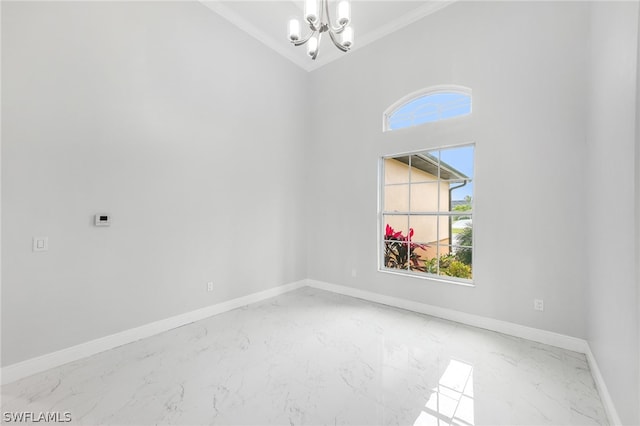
<point>428,105</point>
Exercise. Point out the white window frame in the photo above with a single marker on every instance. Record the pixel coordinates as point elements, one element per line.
<point>432,90</point>
<point>382,224</point>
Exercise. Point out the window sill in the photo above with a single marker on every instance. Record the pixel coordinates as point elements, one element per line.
<point>421,276</point>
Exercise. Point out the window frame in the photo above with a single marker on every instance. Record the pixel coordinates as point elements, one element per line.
<point>382,225</point>
<point>432,90</point>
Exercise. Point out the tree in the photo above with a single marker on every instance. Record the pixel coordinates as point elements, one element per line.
<point>465,238</point>
<point>466,207</point>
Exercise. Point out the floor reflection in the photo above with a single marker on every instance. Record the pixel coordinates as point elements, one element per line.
<point>451,402</point>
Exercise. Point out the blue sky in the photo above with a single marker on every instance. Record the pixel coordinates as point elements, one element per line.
<point>428,108</point>
<point>460,158</point>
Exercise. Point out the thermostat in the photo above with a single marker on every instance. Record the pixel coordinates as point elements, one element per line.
<point>103,219</point>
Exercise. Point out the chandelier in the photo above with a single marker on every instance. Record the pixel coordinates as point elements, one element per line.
<point>316,14</point>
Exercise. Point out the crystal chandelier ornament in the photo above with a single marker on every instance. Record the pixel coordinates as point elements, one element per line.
<point>316,14</point>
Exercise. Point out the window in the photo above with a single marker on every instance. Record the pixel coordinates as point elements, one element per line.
<point>426,213</point>
<point>431,104</point>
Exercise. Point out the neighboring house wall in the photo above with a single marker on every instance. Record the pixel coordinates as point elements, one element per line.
<point>424,197</point>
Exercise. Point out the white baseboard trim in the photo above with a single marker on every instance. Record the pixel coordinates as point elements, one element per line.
<point>609,407</point>
<point>17,371</point>
<point>32,366</point>
<point>529,333</point>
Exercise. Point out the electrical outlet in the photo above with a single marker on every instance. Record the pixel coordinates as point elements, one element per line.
<point>210,286</point>
<point>538,304</point>
<point>354,272</point>
<point>40,243</point>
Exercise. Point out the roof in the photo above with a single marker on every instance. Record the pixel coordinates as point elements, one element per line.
<point>428,163</point>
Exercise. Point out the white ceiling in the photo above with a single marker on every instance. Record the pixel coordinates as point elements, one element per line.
<point>266,20</point>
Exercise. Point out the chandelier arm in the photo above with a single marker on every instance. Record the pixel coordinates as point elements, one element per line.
<point>304,40</point>
<point>336,42</point>
<point>340,29</point>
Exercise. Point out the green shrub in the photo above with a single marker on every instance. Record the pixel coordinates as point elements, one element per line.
<point>449,266</point>
<point>459,270</point>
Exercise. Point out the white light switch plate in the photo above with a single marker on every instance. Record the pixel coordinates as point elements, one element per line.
<point>40,243</point>
<point>102,219</point>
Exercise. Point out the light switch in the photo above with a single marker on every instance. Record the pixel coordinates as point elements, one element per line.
<point>40,243</point>
<point>102,219</point>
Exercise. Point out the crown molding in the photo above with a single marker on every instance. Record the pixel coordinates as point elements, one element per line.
<point>246,26</point>
<point>425,10</point>
<point>298,56</point>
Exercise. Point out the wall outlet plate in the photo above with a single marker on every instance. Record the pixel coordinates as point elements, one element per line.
<point>40,243</point>
<point>538,304</point>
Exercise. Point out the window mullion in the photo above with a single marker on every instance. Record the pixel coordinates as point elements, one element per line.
<point>409,218</point>
<point>438,221</point>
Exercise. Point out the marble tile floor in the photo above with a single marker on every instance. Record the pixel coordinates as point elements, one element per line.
<point>311,357</point>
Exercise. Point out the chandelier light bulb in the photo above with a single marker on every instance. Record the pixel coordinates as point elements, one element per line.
<point>311,10</point>
<point>344,13</point>
<point>312,47</point>
<point>294,30</point>
<point>347,37</point>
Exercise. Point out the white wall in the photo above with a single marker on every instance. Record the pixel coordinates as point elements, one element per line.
<point>637,196</point>
<point>637,206</point>
<point>185,129</point>
<point>525,63</point>
<point>612,179</point>
<point>191,134</point>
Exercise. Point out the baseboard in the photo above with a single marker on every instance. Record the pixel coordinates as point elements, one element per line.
<point>32,366</point>
<point>529,333</point>
<point>609,407</point>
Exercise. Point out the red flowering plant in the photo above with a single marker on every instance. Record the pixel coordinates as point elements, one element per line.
<point>400,252</point>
